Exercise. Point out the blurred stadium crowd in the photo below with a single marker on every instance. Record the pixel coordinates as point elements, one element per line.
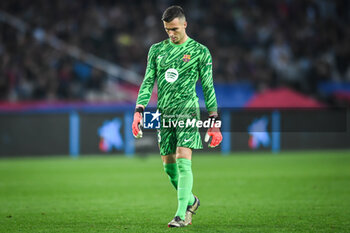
<point>265,42</point>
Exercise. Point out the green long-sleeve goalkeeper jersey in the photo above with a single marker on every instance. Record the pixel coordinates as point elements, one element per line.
<point>177,69</point>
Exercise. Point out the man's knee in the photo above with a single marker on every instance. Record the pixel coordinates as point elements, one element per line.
<point>183,153</point>
<point>170,166</point>
<point>171,158</point>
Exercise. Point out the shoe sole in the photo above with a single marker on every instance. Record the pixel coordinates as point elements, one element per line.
<point>171,226</point>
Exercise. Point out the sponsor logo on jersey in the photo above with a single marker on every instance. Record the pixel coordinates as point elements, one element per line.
<point>186,58</point>
<point>171,75</point>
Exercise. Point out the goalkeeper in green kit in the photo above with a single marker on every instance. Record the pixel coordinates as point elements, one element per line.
<point>177,63</point>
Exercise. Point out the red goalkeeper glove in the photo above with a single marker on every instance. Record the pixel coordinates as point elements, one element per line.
<point>215,134</point>
<point>136,124</point>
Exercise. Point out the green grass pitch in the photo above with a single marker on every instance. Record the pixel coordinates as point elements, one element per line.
<point>242,192</point>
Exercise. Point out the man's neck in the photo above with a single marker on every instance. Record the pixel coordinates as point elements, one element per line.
<point>183,39</point>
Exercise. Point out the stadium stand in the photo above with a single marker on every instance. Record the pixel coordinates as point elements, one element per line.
<point>268,44</point>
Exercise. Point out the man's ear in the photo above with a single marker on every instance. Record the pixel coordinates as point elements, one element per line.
<point>185,24</point>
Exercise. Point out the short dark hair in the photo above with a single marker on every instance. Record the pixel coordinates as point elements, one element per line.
<point>173,12</point>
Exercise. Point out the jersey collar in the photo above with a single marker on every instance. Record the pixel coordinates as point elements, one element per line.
<point>180,45</point>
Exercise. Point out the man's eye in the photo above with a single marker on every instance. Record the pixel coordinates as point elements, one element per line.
<point>174,30</point>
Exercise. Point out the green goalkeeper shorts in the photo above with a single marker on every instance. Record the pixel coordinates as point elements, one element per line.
<point>173,136</point>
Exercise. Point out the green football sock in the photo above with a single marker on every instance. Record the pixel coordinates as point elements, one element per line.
<point>173,174</point>
<point>184,191</point>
